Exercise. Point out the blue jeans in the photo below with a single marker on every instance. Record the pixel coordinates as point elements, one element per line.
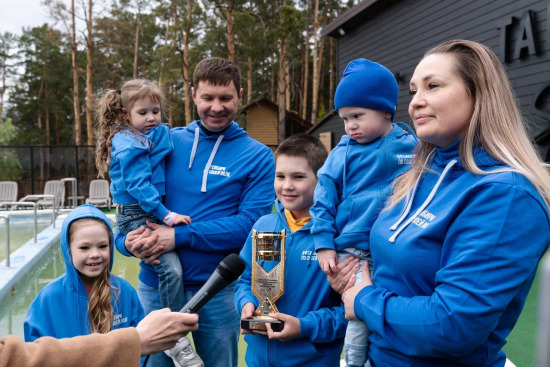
<point>357,332</point>
<point>130,217</point>
<point>216,340</point>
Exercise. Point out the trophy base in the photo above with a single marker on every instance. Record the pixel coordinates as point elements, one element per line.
<point>259,324</point>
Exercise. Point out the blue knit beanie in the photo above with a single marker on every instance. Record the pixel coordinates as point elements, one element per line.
<point>367,84</point>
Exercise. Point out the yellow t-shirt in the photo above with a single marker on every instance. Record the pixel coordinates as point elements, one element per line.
<point>295,224</point>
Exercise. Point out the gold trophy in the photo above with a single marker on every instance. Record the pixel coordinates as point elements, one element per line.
<point>268,284</point>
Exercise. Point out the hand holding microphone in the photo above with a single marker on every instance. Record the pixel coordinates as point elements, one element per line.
<point>226,273</point>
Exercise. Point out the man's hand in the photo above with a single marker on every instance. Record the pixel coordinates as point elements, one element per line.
<point>133,238</point>
<point>149,245</point>
<point>348,297</point>
<point>327,260</point>
<point>161,329</point>
<point>165,242</point>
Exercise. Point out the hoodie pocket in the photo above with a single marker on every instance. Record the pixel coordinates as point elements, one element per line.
<point>363,210</point>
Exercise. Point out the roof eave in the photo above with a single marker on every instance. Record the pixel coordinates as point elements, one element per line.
<point>353,17</point>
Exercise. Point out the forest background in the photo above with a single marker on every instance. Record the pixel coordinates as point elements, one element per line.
<point>51,75</point>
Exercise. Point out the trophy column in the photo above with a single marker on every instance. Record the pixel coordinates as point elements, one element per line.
<point>268,278</point>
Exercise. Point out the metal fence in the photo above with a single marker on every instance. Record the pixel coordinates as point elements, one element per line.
<point>31,166</point>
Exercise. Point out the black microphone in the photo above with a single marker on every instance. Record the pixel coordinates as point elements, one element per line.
<point>228,271</point>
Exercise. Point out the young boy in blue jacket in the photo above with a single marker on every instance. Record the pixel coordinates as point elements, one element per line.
<point>314,322</point>
<point>356,178</point>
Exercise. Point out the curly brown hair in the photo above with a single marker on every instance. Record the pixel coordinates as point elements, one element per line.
<point>112,115</point>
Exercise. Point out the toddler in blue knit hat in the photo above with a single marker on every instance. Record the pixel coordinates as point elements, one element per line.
<point>356,178</point>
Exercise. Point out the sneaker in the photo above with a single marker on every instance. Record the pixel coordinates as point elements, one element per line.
<point>184,355</point>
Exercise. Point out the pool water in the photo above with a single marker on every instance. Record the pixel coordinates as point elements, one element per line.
<point>14,309</point>
<point>20,233</point>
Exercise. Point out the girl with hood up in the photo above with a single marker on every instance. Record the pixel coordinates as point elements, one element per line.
<point>87,298</point>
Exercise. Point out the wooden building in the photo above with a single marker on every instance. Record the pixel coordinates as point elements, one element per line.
<point>397,33</point>
<point>260,119</point>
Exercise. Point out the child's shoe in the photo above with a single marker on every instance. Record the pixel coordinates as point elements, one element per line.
<point>184,355</point>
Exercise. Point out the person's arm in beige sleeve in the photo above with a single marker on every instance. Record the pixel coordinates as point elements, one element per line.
<point>158,331</point>
<point>118,348</point>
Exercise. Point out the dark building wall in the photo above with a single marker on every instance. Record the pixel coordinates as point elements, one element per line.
<point>398,35</point>
<point>330,123</point>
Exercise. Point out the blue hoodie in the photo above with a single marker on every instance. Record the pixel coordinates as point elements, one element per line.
<point>308,297</point>
<point>353,184</point>
<point>224,182</point>
<point>137,168</point>
<point>453,264</point>
<point>60,309</point>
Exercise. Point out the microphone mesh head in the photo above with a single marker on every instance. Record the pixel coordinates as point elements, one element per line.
<point>231,267</point>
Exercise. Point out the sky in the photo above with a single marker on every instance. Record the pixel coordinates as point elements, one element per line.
<point>15,14</point>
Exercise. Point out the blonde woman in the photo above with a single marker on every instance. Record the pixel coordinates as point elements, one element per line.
<point>456,250</point>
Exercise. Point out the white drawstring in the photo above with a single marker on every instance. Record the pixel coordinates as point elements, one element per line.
<point>194,149</point>
<point>425,204</point>
<point>209,164</point>
<point>410,195</point>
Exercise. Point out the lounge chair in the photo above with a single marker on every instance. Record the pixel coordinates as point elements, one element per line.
<point>8,191</point>
<point>99,193</point>
<point>55,188</point>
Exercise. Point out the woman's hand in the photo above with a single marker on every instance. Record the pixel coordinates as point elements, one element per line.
<point>348,297</point>
<point>344,276</point>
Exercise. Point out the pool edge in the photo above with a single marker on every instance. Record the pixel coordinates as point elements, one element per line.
<point>27,256</point>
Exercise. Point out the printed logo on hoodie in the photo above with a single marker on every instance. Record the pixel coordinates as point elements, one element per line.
<point>424,219</point>
<point>117,319</point>
<point>308,255</point>
<point>404,158</point>
<point>219,171</point>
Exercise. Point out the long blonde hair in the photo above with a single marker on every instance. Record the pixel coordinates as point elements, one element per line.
<point>112,115</point>
<point>496,123</point>
<point>100,310</point>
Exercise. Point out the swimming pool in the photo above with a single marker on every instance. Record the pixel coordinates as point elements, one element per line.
<point>13,308</point>
<point>20,231</point>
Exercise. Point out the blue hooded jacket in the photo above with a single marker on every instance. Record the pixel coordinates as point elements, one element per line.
<point>224,182</point>
<point>60,309</point>
<point>453,264</point>
<point>353,185</point>
<point>137,168</point>
<point>308,297</point>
